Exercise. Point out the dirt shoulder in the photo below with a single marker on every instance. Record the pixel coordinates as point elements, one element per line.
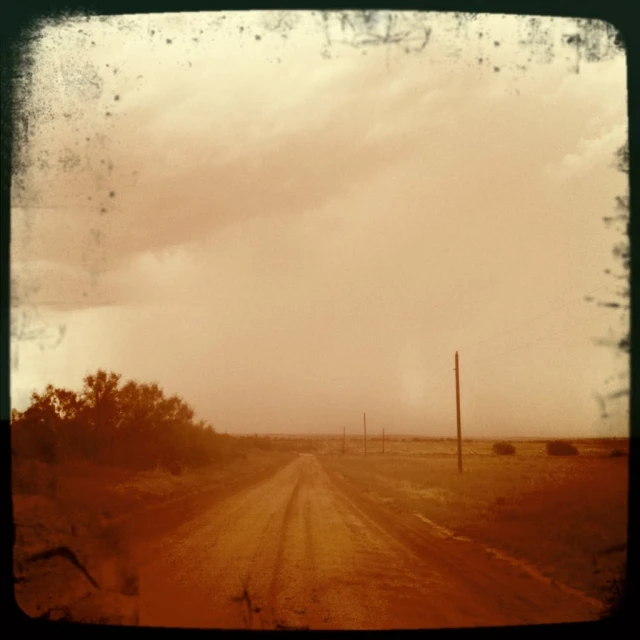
<point>563,520</point>
<point>80,528</point>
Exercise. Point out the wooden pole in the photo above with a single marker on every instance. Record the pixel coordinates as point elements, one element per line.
<point>457,369</point>
<point>365,435</point>
<point>344,431</point>
<point>383,441</point>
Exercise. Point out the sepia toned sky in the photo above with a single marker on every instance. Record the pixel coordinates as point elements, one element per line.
<point>289,220</point>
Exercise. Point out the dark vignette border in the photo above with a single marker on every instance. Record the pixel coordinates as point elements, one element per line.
<point>19,25</point>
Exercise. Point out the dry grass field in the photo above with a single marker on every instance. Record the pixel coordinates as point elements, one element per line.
<point>566,517</point>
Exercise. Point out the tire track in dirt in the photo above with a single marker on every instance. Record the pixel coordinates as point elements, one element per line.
<point>303,550</point>
<point>215,557</point>
<point>274,593</point>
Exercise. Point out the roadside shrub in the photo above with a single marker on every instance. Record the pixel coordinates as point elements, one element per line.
<point>617,453</point>
<point>34,439</point>
<point>504,449</point>
<point>561,448</point>
<point>175,467</point>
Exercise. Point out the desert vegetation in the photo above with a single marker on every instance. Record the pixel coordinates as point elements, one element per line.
<point>504,449</point>
<point>130,425</point>
<point>561,448</point>
<point>98,460</point>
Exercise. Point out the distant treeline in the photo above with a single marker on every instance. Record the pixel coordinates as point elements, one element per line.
<point>132,425</point>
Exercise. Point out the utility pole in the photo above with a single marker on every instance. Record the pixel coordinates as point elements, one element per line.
<point>383,441</point>
<point>365,435</point>
<point>457,370</point>
<point>344,432</point>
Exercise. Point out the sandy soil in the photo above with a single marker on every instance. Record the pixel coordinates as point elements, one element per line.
<point>301,549</point>
<point>74,527</point>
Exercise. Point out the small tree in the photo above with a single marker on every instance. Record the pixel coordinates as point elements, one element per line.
<point>100,399</point>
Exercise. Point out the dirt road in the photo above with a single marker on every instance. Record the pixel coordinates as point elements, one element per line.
<point>297,550</point>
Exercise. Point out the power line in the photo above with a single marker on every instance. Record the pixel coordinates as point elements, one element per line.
<point>548,335</point>
<point>522,346</point>
<point>542,315</point>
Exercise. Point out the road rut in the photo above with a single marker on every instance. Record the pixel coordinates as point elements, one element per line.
<point>296,551</point>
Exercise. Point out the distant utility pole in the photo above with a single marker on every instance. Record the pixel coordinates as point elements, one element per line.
<point>344,433</point>
<point>365,435</point>
<point>457,370</point>
<point>383,441</point>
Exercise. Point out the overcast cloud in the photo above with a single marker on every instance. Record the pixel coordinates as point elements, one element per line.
<point>289,231</point>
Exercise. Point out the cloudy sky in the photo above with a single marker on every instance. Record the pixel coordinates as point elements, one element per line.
<point>291,218</point>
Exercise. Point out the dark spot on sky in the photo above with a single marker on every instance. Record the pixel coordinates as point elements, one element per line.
<point>107,65</point>
<point>116,97</point>
<point>108,113</point>
<point>153,32</point>
<point>241,29</point>
<point>103,210</point>
<point>89,198</point>
<point>480,60</point>
<point>496,69</point>
<point>115,71</point>
<point>102,161</point>
<point>258,37</point>
<point>480,35</point>
<point>84,294</point>
<point>93,44</point>
<point>496,43</point>
<point>87,139</point>
<point>169,40</point>
<point>112,194</point>
<point>195,39</point>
